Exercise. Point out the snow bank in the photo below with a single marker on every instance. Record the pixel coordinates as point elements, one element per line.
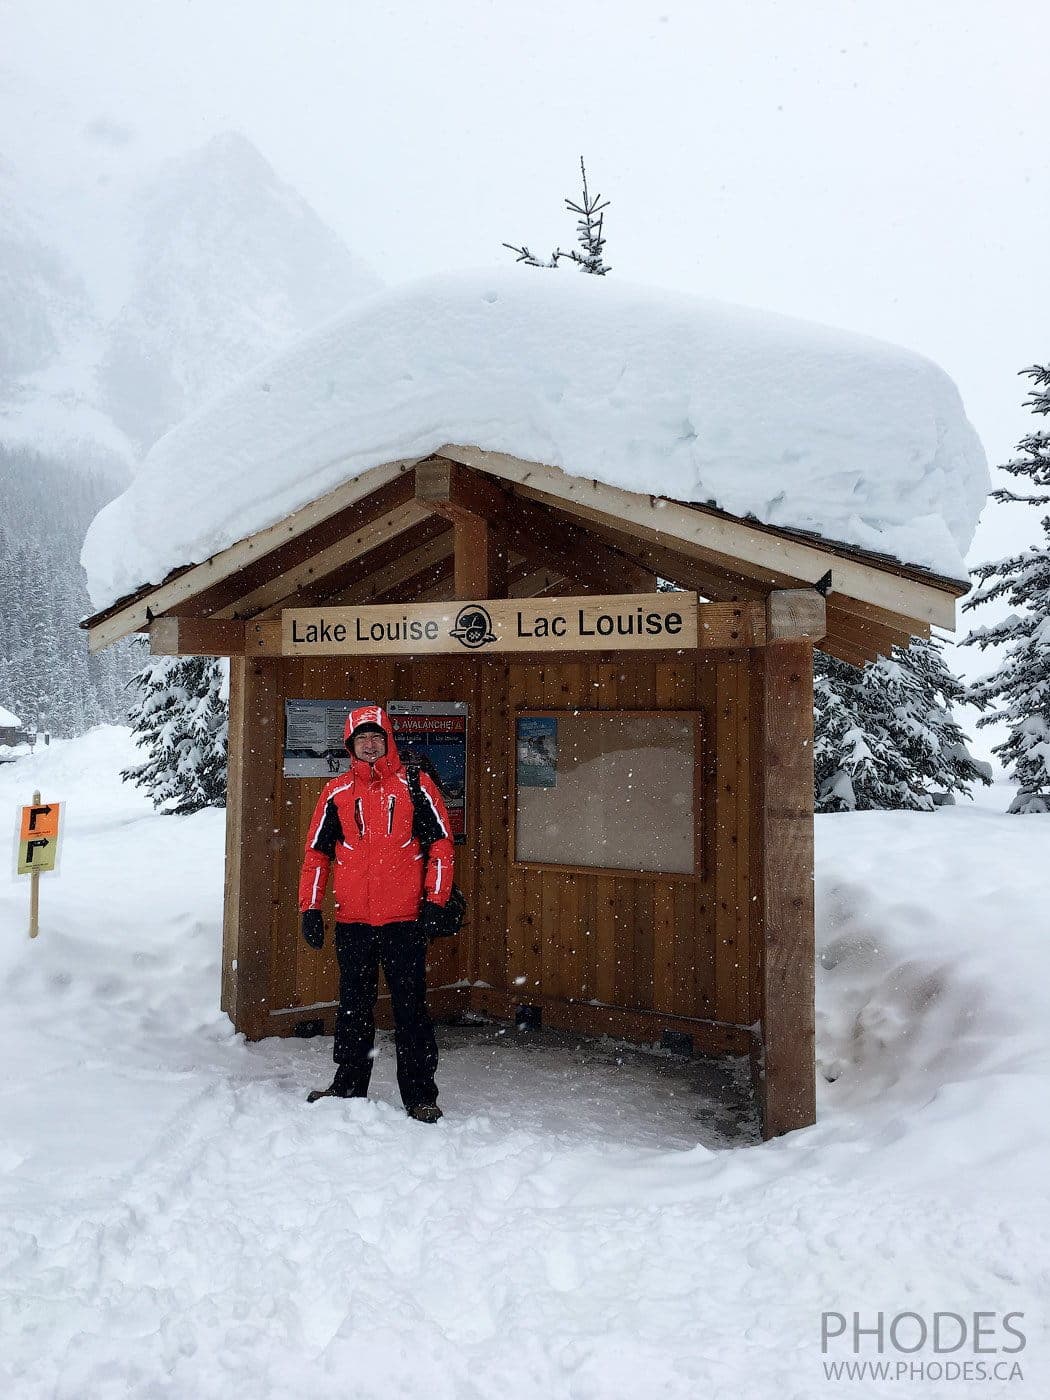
<point>649,390</point>
<point>175,1221</point>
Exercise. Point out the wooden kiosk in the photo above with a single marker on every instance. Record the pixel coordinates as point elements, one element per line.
<point>690,910</point>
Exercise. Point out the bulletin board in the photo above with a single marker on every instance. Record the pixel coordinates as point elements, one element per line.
<point>313,737</point>
<point>608,790</point>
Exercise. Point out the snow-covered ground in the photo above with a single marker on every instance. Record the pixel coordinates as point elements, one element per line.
<point>175,1220</point>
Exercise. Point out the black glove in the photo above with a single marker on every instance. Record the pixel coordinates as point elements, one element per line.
<point>313,928</point>
<point>431,918</point>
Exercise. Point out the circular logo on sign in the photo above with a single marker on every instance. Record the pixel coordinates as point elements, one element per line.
<point>473,626</point>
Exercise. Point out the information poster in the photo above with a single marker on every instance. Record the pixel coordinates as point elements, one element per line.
<point>537,747</point>
<point>313,737</point>
<point>434,733</point>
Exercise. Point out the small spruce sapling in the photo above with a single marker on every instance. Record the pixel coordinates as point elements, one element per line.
<point>589,234</point>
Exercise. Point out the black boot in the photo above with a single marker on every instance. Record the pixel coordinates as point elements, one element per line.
<point>341,1086</point>
<point>424,1112</point>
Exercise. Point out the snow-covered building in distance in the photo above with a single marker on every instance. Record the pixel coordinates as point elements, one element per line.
<point>11,731</point>
<point>463,495</point>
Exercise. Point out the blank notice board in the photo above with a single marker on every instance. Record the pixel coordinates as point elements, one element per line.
<point>616,790</point>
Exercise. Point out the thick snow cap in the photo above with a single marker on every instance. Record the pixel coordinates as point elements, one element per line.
<point>651,390</point>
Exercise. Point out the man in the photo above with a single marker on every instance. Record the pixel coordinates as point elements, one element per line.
<point>386,907</point>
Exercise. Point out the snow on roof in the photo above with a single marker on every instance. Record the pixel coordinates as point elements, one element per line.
<point>650,390</point>
<point>8,720</point>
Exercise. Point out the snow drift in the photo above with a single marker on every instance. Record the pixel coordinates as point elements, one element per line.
<point>654,391</point>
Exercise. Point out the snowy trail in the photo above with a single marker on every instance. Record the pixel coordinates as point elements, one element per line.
<point>176,1222</point>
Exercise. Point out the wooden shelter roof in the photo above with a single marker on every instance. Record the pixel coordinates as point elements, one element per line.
<point>390,535</point>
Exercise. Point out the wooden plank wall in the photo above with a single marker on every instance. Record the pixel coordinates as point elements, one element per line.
<point>664,949</point>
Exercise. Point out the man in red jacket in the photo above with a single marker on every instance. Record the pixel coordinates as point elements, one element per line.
<point>386,907</point>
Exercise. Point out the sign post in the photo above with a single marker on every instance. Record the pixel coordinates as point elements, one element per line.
<point>37,850</point>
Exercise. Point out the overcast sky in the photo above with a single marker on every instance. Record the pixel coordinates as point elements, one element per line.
<point>878,165</point>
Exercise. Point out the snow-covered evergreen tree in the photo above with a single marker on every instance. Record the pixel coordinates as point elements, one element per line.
<point>885,737</point>
<point>1020,685</point>
<point>47,675</point>
<point>181,721</point>
<point>589,234</point>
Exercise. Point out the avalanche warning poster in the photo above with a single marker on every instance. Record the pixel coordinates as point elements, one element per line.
<point>435,733</point>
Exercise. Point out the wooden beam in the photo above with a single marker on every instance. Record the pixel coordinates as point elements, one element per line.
<point>787,1085</point>
<point>129,614</point>
<point>855,631</point>
<point>529,580</point>
<point>195,636</point>
<point>455,491</point>
<point>793,614</point>
<point>232,874</point>
<point>528,528</point>
<point>364,578</point>
<point>311,570</point>
<point>256,745</point>
<point>480,560</point>
<point>721,625</point>
<point>564,588</point>
<point>386,582</point>
<point>693,529</point>
<point>680,569</point>
<point>841,650</point>
<point>597,1018</point>
<point>426,585</point>
<point>438,588</point>
<point>263,638</point>
<point>860,635</point>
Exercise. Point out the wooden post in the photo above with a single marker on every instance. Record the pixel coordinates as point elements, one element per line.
<point>34,891</point>
<point>232,879</point>
<point>787,1083</point>
<point>251,842</point>
<point>480,559</point>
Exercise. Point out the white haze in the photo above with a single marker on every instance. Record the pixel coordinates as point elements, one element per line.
<point>875,165</point>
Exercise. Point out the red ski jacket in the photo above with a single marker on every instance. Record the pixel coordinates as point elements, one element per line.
<point>363,822</point>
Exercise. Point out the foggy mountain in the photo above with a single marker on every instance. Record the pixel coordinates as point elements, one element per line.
<point>229,264</point>
<point>216,264</point>
<point>125,304</point>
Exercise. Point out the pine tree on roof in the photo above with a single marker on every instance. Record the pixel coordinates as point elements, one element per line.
<point>885,737</point>
<point>1018,690</point>
<point>589,234</point>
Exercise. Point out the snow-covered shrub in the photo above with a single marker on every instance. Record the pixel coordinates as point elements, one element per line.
<point>884,737</point>
<point>181,721</point>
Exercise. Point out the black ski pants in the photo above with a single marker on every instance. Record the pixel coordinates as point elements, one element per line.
<point>402,950</point>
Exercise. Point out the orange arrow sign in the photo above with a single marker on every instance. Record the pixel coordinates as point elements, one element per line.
<point>38,838</point>
<point>40,821</point>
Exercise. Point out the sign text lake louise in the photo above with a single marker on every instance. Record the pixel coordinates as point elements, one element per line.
<point>630,621</point>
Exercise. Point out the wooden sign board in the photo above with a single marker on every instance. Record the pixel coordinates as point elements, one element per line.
<point>38,838</point>
<point>628,622</point>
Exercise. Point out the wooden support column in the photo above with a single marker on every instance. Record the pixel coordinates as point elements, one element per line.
<point>480,560</point>
<point>787,1080</point>
<point>251,844</point>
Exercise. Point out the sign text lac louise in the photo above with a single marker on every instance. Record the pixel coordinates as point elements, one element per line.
<point>405,629</point>
<point>500,624</point>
